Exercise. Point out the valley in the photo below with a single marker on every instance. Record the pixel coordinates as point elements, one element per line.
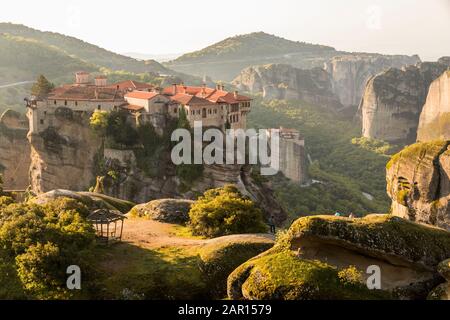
<point>88,177</point>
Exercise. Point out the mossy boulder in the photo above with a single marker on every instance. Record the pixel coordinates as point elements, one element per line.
<point>314,258</point>
<point>442,291</point>
<point>220,256</point>
<point>444,269</point>
<point>91,200</point>
<point>164,210</point>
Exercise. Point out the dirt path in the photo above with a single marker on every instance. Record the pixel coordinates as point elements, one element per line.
<point>152,234</point>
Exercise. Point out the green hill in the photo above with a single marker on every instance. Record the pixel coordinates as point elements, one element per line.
<point>224,60</point>
<point>26,53</point>
<point>85,51</point>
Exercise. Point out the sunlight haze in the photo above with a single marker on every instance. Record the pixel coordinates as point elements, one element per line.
<point>149,27</point>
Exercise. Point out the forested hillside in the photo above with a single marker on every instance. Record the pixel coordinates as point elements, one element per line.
<point>344,168</point>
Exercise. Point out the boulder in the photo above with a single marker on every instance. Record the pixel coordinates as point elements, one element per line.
<point>442,292</point>
<point>327,257</point>
<point>220,256</point>
<point>91,200</point>
<point>164,210</point>
<point>418,183</point>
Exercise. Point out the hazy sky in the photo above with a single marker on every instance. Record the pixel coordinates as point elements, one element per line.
<point>174,26</point>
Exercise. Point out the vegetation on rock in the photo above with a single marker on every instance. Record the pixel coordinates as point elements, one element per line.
<point>225,211</point>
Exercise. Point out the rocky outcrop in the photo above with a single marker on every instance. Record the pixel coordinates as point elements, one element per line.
<point>350,73</point>
<point>326,257</point>
<point>63,156</point>
<point>91,200</point>
<point>418,183</point>
<point>281,81</point>
<point>220,256</point>
<point>442,292</point>
<point>164,210</point>
<point>14,150</point>
<point>393,101</point>
<point>434,123</point>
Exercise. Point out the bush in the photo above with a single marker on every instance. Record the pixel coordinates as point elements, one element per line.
<point>38,243</point>
<point>224,211</point>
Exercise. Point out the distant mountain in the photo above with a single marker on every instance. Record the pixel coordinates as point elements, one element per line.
<point>157,57</point>
<point>83,50</point>
<point>225,59</point>
<point>26,53</point>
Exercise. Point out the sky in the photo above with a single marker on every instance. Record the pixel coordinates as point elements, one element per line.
<point>177,26</point>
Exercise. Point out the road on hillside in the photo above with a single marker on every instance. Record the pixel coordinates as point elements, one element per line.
<point>15,84</point>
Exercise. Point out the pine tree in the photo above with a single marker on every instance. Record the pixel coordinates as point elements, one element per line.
<point>41,87</point>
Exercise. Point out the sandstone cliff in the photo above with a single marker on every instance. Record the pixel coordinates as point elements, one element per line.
<point>14,150</point>
<point>63,155</point>
<point>434,123</point>
<point>67,155</point>
<point>419,185</point>
<point>350,73</point>
<point>393,100</point>
<point>281,81</point>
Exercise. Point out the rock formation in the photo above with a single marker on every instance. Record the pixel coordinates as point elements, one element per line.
<point>63,156</point>
<point>281,81</point>
<point>418,183</point>
<point>326,257</point>
<point>14,150</point>
<point>393,100</point>
<point>434,123</point>
<point>164,210</point>
<point>91,200</point>
<point>350,73</point>
<point>442,292</point>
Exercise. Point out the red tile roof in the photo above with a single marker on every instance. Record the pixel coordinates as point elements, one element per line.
<point>141,95</point>
<point>132,85</point>
<point>212,95</point>
<point>131,107</point>
<point>90,92</point>
<point>187,99</point>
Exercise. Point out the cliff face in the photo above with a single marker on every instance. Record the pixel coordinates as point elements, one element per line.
<point>393,100</point>
<point>350,73</point>
<point>434,121</point>
<point>281,81</point>
<point>14,150</point>
<point>62,156</point>
<point>419,185</point>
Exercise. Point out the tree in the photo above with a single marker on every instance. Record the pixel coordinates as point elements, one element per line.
<point>99,122</point>
<point>224,211</point>
<point>42,87</point>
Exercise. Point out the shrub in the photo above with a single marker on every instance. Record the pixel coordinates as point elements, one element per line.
<point>38,243</point>
<point>224,211</point>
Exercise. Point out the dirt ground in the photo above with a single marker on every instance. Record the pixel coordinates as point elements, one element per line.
<point>152,234</point>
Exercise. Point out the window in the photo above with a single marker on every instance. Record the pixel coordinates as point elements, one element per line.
<point>54,102</point>
<point>65,102</point>
<point>175,110</point>
<point>215,111</point>
<point>42,121</point>
<point>76,103</point>
<point>99,107</point>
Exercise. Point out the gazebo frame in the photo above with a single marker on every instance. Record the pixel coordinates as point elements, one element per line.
<point>106,224</point>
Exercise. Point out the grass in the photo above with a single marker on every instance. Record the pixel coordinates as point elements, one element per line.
<point>281,275</point>
<point>184,232</point>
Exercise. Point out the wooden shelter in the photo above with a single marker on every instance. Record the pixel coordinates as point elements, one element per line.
<point>108,224</point>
